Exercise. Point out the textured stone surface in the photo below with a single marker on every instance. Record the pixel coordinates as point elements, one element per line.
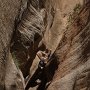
<point>8,12</point>
<point>73,54</point>
<point>67,34</point>
<point>14,79</point>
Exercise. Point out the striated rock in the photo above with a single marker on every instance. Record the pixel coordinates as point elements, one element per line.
<point>62,26</point>
<point>14,79</point>
<point>73,52</point>
<point>75,80</point>
<point>8,12</point>
<point>29,33</point>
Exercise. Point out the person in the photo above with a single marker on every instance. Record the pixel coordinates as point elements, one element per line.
<point>44,56</point>
<point>40,72</point>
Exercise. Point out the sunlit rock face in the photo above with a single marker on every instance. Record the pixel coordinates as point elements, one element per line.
<point>67,35</point>
<point>58,13</point>
<point>72,48</point>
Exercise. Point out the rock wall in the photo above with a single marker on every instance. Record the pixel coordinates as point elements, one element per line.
<point>62,26</point>
<point>29,32</point>
<point>73,49</point>
<point>8,12</point>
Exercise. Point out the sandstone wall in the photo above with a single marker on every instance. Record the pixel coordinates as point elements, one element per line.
<point>73,49</point>
<point>8,12</point>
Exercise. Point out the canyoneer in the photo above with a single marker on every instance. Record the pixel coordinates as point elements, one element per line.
<point>40,72</point>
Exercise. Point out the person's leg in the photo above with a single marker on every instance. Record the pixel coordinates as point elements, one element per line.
<point>43,82</point>
<point>32,82</point>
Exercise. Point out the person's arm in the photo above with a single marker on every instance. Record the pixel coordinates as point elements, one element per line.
<point>38,56</point>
